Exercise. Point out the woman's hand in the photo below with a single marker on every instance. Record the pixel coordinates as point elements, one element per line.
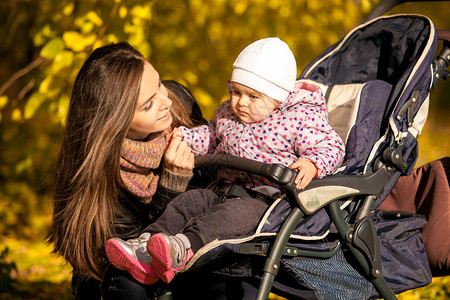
<point>306,172</point>
<point>178,158</point>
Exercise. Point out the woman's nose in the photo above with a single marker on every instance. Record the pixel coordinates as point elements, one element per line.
<point>166,102</point>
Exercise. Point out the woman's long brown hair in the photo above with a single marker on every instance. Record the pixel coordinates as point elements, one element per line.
<point>101,109</point>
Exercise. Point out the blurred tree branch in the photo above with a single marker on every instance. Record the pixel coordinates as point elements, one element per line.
<point>22,72</point>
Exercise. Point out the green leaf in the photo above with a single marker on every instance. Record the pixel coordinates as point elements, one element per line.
<point>52,48</point>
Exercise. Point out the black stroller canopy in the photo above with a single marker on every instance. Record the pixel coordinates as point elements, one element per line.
<point>378,51</point>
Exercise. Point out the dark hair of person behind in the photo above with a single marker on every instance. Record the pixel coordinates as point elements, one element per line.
<point>185,110</point>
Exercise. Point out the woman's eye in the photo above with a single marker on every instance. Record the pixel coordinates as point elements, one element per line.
<point>148,105</point>
<point>253,97</point>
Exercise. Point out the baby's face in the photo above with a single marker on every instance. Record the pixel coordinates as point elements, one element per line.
<point>249,105</point>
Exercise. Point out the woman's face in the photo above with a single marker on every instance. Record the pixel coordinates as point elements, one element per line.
<point>250,105</point>
<point>153,108</point>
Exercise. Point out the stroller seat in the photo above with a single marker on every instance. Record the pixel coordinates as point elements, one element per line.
<point>330,242</point>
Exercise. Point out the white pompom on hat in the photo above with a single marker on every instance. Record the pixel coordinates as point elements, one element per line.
<point>267,66</point>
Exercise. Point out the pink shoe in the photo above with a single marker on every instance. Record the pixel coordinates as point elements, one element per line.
<point>170,254</point>
<point>132,256</point>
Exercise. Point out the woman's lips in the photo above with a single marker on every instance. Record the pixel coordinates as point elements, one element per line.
<point>165,117</point>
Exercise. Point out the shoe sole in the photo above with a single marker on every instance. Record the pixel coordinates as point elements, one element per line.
<point>122,260</point>
<point>158,247</point>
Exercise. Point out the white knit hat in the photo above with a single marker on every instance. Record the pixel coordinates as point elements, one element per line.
<point>268,66</point>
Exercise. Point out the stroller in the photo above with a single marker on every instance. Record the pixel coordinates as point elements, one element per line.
<point>328,241</point>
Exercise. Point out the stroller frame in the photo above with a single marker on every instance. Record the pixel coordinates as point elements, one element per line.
<point>360,240</point>
<point>358,236</point>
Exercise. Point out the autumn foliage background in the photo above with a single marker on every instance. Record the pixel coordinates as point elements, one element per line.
<point>45,42</point>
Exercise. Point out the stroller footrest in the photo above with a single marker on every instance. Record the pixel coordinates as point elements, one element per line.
<point>364,238</point>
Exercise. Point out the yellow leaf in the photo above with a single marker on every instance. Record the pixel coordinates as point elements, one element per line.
<point>112,38</point>
<point>47,31</point>
<point>308,20</point>
<point>79,21</point>
<point>52,48</point>
<point>128,27</point>
<point>94,18</point>
<point>314,39</point>
<point>78,42</point>
<point>39,39</point>
<point>285,12</point>
<point>68,9</point>
<point>98,44</point>
<point>338,14</point>
<point>275,5</point>
<point>366,6</point>
<point>44,86</point>
<point>142,12</point>
<point>190,77</point>
<point>16,115</point>
<point>90,39</point>
<point>408,297</point>
<point>3,101</point>
<point>24,165</point>
<point>62,60</point>
<point>50,86</point>
<point>240,8</point>
<point>205,102</point>
<point>137,37</point>
<point>87,27</point>
<point>145,49</point>
<point>123,12</point>
<point>32,105</point>
<point>73,40</point>
<point>63,106</point>
<point>216,28</point>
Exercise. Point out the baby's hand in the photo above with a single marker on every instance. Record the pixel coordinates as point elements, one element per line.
<point>306,172</point>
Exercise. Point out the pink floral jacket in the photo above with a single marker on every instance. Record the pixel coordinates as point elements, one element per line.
<point>297,128</point>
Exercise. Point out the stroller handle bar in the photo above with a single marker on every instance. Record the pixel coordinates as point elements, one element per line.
<point>317,194</point>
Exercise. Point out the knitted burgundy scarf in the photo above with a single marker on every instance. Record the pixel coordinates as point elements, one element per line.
<point>138,162</point>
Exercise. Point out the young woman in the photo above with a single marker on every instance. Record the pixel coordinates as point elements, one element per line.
<point>118,165</point>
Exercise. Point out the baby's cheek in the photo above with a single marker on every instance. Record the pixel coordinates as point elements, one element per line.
<point>260,113</point>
